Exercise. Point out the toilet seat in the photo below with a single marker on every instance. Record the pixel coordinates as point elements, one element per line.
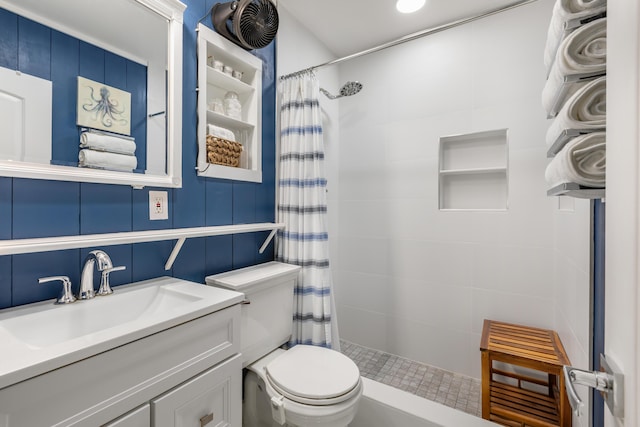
<point>313,375</point>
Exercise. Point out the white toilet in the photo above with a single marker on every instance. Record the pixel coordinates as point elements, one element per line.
<point>303,386</point>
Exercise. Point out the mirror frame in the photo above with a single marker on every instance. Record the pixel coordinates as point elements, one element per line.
<point>172,11</point>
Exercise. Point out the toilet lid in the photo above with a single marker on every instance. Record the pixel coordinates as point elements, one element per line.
<point>314,375</point>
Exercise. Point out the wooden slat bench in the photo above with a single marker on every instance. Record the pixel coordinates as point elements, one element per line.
<point>517,399</point>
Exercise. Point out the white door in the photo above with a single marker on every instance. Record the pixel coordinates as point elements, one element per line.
<point>25,117</point>
<point>622,303</point>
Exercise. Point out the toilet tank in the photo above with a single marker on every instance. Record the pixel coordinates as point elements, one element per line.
<point>267,312</point>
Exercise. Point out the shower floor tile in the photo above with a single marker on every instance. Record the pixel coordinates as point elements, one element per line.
<point>451,389</point>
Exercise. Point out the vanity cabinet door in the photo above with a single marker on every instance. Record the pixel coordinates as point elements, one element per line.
<point>213,398</point>
<point>140,417</point>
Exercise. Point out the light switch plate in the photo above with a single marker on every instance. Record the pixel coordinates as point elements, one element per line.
<point>158,205</point>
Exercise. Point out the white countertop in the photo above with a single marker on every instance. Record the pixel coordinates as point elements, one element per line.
<point>90,327</point>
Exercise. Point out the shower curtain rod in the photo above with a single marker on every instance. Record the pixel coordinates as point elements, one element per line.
<point>412,36</point>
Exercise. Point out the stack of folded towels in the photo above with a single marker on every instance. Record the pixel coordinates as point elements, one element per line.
<point>221,132</point>
<point>582,161</point>
<point>563,12</point>
<point>107,151</point>
<point>582,51</point>
<point>583,108</point>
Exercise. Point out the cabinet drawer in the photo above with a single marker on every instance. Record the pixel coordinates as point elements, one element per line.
<point>213,398</point>
<point>140,417</point>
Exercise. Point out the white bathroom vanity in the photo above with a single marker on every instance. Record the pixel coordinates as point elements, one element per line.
<point>163,352</point>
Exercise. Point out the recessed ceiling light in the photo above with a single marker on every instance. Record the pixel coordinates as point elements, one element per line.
<point>409,6</point>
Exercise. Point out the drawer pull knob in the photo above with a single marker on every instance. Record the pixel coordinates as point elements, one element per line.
<point>206,419</point>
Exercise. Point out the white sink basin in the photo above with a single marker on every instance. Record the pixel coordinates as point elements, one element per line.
<point>51,325</point>
<point>38,337</point>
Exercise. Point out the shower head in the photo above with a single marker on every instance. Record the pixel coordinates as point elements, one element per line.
<point>349,88</point>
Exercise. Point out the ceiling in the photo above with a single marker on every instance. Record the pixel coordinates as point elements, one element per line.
<point>350,26</point>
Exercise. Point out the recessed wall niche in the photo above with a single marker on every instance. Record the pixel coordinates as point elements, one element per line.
<point>473,172</point>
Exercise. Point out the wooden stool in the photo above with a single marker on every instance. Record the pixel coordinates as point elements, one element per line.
<point>504,400</point>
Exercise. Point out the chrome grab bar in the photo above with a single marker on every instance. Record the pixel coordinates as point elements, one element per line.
<point>599,380</point>
<point>610,383</point>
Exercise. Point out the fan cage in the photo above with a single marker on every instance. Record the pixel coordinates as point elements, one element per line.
<point>255,23</point>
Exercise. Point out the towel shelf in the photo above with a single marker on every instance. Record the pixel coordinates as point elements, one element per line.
<point>563,90</point>
<point>565,136</point>
<point>576,190</point>
<point>572,24</point>
<point>213,84</point>
<point>473,171</point>
<point>555,96</point>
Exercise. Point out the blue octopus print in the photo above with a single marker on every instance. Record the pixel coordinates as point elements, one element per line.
<point>104,108</point>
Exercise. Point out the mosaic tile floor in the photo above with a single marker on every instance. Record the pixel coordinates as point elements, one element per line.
<point>451,389</point>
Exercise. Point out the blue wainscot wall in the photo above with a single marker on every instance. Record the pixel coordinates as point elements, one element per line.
<point>37,50</point>
<point>35,208</point>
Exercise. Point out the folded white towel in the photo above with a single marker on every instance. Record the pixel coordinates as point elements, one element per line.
<point>582,161</point>
<point>220,132</point>
<point>563,12</point>
<point>110,143</point>
<point>103,160</point>
<point>583,51</point>
<point>586,109</point>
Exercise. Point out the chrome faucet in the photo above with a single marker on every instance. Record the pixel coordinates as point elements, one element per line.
<point>87,290</point>
<point>103,263</point>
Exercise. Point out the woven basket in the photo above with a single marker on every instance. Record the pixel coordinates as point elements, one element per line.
<point>221,151</point>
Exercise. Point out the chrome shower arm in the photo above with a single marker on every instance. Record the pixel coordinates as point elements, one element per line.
<point>327,94</point>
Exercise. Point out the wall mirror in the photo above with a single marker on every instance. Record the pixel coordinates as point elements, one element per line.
<point>133,45</point>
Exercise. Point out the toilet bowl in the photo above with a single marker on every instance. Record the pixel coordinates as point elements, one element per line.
<point>303,386</point>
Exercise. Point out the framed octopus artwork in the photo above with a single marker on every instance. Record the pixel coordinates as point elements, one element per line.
<point>103,107</point>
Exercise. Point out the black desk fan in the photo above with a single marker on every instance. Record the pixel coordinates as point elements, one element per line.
<point>251,24</point>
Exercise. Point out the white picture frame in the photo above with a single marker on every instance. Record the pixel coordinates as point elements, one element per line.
<point>103,107</point>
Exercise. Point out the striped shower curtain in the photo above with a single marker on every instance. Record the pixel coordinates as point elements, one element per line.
<point>302,207</point>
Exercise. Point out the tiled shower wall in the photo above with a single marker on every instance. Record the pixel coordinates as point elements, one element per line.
<point>572,277</point>
<point>419,281</point>
<point>416,281</point>
<point>33,208</point>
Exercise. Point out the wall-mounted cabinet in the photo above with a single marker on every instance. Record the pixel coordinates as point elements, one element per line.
<point>473,171</point>
<point>229,103</point>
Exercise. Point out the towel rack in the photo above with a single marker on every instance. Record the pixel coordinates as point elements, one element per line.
<point>573,189</point>
<point>576,190</point>
<point>570,188</point>
<point>572,24</point>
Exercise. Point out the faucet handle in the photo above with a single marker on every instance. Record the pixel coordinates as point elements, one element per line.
<point>105,288</point>
<point>66,296</point>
